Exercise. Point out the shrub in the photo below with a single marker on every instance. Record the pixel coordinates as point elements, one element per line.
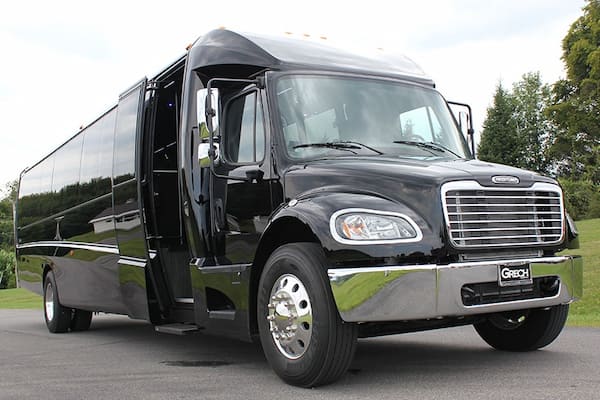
<point>582,198</point>
<point>7,269</point>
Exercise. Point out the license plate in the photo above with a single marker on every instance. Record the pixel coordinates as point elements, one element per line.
<point>513,275</point>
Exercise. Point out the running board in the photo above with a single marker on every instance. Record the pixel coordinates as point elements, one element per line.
<point>224,314</point>
<point>177,329</point>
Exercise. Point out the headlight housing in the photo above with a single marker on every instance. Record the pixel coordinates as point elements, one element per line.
<point>363,226</point>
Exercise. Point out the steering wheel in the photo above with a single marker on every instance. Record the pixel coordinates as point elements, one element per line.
<point>414,138</point>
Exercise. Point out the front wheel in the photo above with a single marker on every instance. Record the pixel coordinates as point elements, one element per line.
<point>523,330</point>
<point>303,338</point>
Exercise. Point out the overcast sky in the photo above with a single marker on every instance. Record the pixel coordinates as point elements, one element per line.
<point>65,62</point>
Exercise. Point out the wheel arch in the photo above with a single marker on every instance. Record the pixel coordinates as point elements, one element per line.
<point>46,268</point>
<point>282,230</point>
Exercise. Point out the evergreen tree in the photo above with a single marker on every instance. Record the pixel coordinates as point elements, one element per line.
<point>499,141</point>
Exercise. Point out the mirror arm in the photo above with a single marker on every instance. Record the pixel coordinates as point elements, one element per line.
<point>470,130</point>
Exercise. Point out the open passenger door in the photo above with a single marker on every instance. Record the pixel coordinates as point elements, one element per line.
<point>133,252</point>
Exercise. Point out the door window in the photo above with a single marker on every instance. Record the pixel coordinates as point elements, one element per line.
<point>245,134</point>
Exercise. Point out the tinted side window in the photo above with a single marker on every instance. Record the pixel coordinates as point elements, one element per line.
<point>34,192</point>
<point>66,165</point>
<point>245,134</point>
<point>125,131</point>
<point>65,181</point>
<point>44,172</point>
<point>96,159</point>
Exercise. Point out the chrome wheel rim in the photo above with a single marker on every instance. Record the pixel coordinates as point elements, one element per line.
<point>290,316</point>
<point>49,302</point>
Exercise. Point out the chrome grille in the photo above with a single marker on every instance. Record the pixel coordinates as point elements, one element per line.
<point>479,216</point>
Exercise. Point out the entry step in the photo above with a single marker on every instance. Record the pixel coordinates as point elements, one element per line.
<point>177,329</point>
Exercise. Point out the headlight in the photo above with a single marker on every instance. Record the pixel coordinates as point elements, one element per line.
<point>362,226</point>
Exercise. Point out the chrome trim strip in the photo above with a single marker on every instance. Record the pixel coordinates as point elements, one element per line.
<point>134,262</point>
<point>219,269</point>
<point>405,217</point>
<point>398,293</point>
<point>479,221</point>
<point>106,248</point>
<point>186,300</point>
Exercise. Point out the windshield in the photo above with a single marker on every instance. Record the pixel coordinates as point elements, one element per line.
<point>340,116</point>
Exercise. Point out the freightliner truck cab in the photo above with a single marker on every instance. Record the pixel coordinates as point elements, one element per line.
<point>343,202</point>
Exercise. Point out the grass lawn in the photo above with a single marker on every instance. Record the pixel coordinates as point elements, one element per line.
<point>586,312</point>
<point>19,298</point>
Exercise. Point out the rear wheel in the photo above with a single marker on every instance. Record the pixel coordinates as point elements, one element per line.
<point>523,330</point>
<point>58,318</point>
<point>302,335</point>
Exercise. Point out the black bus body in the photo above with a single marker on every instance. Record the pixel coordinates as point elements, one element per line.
<point>281,190</point>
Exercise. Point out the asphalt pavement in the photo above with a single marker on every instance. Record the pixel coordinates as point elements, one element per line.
<point>119,358</point>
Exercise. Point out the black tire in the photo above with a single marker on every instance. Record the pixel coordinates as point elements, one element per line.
<point>330,343</point>
<point>58,318</point>
<point>524,330</point>
<point>81,320</point>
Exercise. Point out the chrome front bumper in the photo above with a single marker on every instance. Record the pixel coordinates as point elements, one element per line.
<point>397,293</point>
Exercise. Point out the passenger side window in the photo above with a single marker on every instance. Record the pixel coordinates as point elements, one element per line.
<point>420,124</point>
<point>244,139</point>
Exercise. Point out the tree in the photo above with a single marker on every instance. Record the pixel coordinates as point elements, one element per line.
<point>6,217</point>
<point>575,101</point>
<point>7,252</point>
<point>531,98</point>
<point>7,269</point>
<point>500,142</point>
<point>516,130</point>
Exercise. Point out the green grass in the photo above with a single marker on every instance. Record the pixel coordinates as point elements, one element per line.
<point>586,312</point>
<point>19,298</point>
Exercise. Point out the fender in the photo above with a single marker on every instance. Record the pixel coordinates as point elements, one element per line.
<point>311,215</point>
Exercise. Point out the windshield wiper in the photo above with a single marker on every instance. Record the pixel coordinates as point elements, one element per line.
<point>428,145</point>
<point>341,145</point>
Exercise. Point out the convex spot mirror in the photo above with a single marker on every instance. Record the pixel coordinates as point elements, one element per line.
<point>205,126</point>
<point>203,153</point>
<point>201,112</point>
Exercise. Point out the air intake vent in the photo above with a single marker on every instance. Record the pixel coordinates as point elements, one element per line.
<point>478,216</point>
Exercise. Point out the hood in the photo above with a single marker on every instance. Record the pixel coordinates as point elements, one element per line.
<point>415,184</point>
<point>385,174</point>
